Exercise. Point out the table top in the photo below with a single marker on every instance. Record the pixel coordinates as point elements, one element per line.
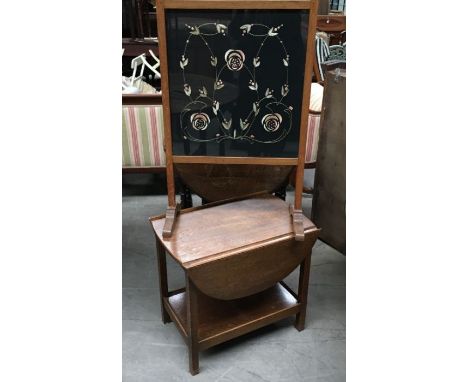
<point>227,229</point>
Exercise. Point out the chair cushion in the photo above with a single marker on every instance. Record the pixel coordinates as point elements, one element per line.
<point>143,136</point>
<point>312,138</point>
<point>316,96</point>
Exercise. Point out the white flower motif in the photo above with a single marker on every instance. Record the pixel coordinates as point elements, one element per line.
<point>272,122</point>
<point>234,59</point>
<point>218,85</point>
<point>200,121</point>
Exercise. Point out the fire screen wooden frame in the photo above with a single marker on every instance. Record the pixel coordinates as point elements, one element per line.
<point>234,59</point>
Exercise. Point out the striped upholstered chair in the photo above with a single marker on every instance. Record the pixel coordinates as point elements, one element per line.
<point>143,136</point>
<point>325,53</point>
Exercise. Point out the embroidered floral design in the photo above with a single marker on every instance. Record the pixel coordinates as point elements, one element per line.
<point>200,121</point>
<point>272,122</point>
<point>234,59</point>
<point>277,116</point>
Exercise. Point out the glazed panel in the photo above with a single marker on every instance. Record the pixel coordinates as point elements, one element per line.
<point>236,81</point>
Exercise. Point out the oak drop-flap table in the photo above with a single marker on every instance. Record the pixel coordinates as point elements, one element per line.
<point>235,256</point>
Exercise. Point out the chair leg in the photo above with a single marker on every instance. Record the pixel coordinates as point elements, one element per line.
<point>192,323</point>
<point>281,192</point>
<point>162,271</point>
<point>185,197</point>
<point>302,292</point>
<point>188,197</point>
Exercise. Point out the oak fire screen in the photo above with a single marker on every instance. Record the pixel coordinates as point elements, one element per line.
<point>236,82</point>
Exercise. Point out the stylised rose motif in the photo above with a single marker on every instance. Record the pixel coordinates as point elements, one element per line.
<point>199,121</point>
<point>234,59</point>
<point>272,122</point>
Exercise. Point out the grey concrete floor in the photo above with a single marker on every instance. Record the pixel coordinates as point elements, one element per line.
<point>155,352</point>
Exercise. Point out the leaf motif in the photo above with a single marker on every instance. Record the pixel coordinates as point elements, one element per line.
<point>246,27</point>
<point>214,61</point>
<point>284,90</point>
<point>187,90</point>
<point>227,124</point>
<point>220,27</point>
<point>215,107</point>
<point>254,86</point>
<point>271,32</point>
<point>183,63</point>
<point>268,93</point>
<point>196,31</point>
<point>235,133</point>
<point>256,62</point>
<point>218,86</point>
<point>203,92</point>
<point>243,125</point>
<point>285,62</point>
<point>255,108</point>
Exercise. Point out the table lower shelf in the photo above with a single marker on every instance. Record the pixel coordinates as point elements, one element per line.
<point>220,320</point>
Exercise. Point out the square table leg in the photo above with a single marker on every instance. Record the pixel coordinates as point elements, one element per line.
<point>192,326</point>
<point>162,272</point>
<point>302,292</point>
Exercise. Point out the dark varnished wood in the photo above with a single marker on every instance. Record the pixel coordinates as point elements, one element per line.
<point>208,234</point>
<point>141,99</point>
<point>299,181</point>
<point>237,4</point>
<point>169,221</point>
<point>192,325</point>
<point>228,277</point>
<point>298,223</point>
<point>163,287</point>
<point>143,170</point>
<point>238,251</point>
<point>252,271</point>
<point>134,47</point>
<point>217,182</point>
<point>302,292</point>
<point>331,23</point>
<point>310,5</point>
<point>235,160</point>
<point>161,20</point>
<point>220,321</point>
<point>329,201</point>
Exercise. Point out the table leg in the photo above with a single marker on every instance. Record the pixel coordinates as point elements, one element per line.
<point>192,323</point>
<point>162,271</point>
<point>302,292</point>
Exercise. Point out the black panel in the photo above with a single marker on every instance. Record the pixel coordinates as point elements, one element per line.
<point>236,80</point>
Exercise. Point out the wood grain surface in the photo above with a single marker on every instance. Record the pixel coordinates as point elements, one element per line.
<point>224,230</point>
<point>219,321</point>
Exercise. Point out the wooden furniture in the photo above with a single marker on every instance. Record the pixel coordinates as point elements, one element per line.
<point>233,283</point>
<point>329,201</point>
<point>138,19</point>
<point>235,79</point>
<point>260,117</point>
